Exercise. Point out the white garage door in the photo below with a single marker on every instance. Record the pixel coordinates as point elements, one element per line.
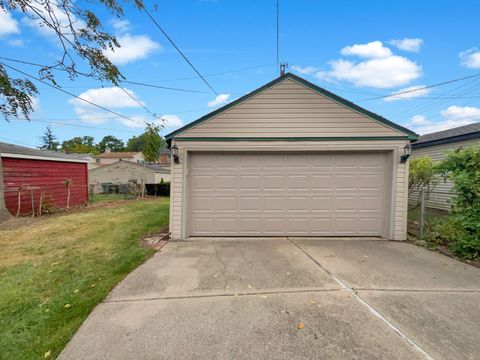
<point>294,194</point>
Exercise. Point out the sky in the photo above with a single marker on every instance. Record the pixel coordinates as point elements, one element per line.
<point>360,50</point>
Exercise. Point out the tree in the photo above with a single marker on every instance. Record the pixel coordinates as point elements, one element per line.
<point>153,143</point>
<point>48,140</point>
<point>462,167</point>
<point>79,35</point>
<point>111,142</point>
<point>136,143</point>
<point>422,176</point>
<point>80,145</point>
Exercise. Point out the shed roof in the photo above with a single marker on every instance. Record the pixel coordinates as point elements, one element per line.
<point>117,154</point>
<point>17,151</point>
<point>460,133</point>
<point>153,167</point>
<point>408,133</point>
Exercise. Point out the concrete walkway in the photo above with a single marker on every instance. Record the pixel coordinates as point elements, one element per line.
<point>357,299</point>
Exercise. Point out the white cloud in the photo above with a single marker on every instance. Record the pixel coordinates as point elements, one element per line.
<point>378,67</point>
<point>170,122</point>
<point>410,92</point>
<point>407,44</point>
<point>8,25</point>
<point>453,116</point>
<point>112,98</point>
<point>470,58</point>
<point>307,70</point>
<point>133,48</point>
<point>219,100</point>
<point>62,19</point>
<point>121,26</point>
<point>379,73</point>
<point>16,42</point>
<point>374,49</point>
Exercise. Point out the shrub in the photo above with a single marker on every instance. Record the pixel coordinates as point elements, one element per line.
<point>462,167</point>
<point>422,175</point>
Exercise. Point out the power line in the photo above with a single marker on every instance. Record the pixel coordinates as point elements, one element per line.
<point>180,51</point>
<point>421,88</point>
<point>77,125</point>
<point>165,87</point>
<point>211,74</point>
<point>71,94</point>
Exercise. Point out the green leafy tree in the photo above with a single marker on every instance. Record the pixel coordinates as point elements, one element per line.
<point>80,145</point>
<point>111,142</point>
<point>48,140</point>
<point>79,35</point>
<point>422,175</point>
<point>136,143</point>
<point>462,167</point>
<point>153,142</point>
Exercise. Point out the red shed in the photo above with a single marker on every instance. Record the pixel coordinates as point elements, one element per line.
<point>31,175</point>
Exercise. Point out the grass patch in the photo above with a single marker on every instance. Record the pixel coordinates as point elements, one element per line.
<point>99,198</point>
<point>54,272</point>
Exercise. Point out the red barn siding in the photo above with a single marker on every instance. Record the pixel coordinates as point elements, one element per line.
<point>43,175</point>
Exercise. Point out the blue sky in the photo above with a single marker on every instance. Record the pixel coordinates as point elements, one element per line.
<point>357,49</point>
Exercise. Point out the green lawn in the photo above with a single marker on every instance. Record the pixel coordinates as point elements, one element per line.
<point>98,198</point>
<point>55,270</point>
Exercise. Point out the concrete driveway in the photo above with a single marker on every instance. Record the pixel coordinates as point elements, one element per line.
<point>246,299</point>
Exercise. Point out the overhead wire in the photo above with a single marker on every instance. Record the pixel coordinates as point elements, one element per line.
<point>178,49</point>
<point>421,88</point>
<point>71,94</point>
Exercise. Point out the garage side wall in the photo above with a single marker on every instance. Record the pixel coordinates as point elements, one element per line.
<point>396,203</point>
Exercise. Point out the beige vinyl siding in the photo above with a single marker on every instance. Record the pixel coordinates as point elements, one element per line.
<point>442,195</point>
<point>290,109</point>
<point>396,203</point>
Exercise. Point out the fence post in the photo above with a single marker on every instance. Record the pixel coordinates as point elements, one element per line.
<point>422,213</point>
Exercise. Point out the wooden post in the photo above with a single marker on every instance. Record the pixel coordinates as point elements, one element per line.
<point>422,213</point>
<point>33,202</point>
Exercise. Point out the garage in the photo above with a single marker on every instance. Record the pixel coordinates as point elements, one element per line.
<point>289,159</point>
<point>287,194</point>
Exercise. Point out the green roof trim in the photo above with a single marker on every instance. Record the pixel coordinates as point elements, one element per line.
<point>411,135</point>
<point>325,138</point>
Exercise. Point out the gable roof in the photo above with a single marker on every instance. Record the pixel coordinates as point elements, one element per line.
<point>460,133</point>
<point>153,167</point>
<point>409,134</point>
<point>23,152</point>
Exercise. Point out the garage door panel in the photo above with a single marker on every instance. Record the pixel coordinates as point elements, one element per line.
<point>276,194</point>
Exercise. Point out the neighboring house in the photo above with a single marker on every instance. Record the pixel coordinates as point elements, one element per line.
<point>109,157</point>
<point>121,172</point>
<point>28,173</point>
<point>289,159</point>
<point>164,157</point>
<point>436,145</point>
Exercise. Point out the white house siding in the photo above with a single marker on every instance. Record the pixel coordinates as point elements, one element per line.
<point>396,201</point>
<point>290,109</point>
<point>442,195</point>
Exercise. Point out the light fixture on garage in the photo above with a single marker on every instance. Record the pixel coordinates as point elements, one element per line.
<point>174,150</point>
<point>407,150</point>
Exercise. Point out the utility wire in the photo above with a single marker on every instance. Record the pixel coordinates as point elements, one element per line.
<point>125,81</point>
<point>71,94</point>
<point>421,88</point>
<point>180,51</point>
<point>60,123</point>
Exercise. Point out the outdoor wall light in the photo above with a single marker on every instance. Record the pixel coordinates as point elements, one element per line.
<point>174,150</point>
<point>407,151</point>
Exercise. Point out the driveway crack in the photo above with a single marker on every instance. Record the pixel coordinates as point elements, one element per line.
<point>354,293</point>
